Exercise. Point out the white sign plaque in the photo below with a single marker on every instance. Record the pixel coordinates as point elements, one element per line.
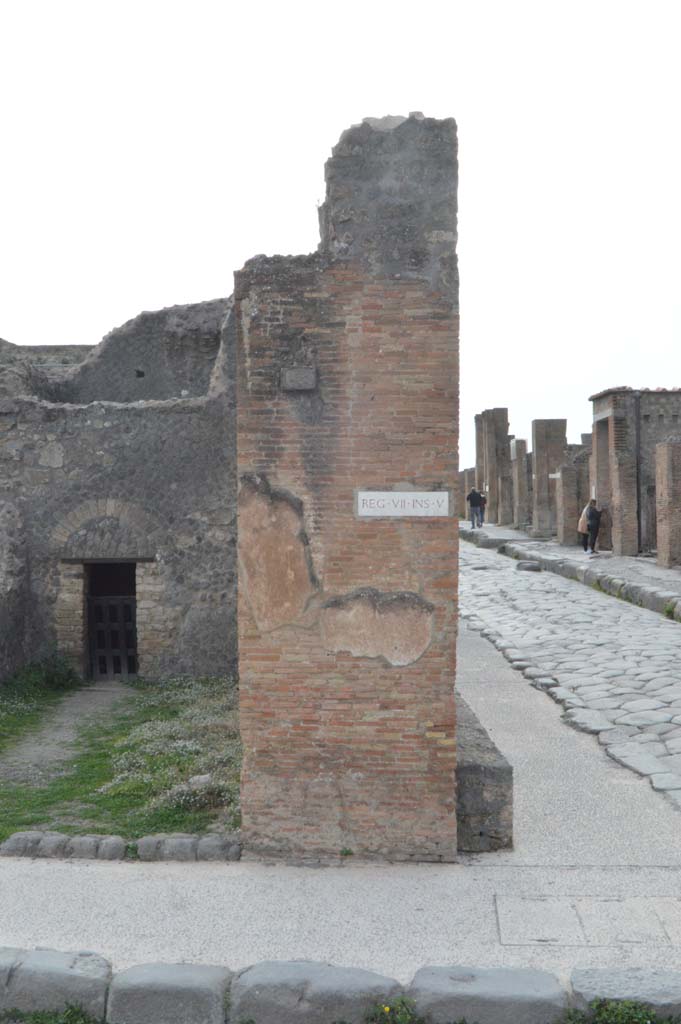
<point>404,504</point>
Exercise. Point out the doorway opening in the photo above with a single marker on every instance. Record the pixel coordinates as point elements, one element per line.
<point>112,627</point>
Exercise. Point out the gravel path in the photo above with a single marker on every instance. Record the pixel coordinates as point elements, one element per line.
<point>37,757</point>
<point>615,668</point>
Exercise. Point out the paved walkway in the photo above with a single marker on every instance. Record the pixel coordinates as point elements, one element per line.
<point>593,880</point>
<point>37,757</point>
<point>615,667</point>
<point>638,580</point>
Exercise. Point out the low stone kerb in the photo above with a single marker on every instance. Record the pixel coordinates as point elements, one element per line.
<point>169,994</point>
<point>488,996</point>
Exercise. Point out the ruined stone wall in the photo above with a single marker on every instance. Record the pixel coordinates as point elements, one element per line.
<point>148,481</point>
<point>347,379</point>
<point>168,353</point>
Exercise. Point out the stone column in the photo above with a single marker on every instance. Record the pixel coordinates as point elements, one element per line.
<point>479,453</point>
<point>490,475</point>
<point>668,503</point>
<point>624,500</point>
<point>549,441</point>
<point>505,492</point>
<point>468,484</point>
<point>522,515</point>
<point>347,364</point>
<point>567,505</point>
<point>496,464</point>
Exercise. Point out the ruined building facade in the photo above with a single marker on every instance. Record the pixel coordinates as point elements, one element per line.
<point>118,480</point>
<point>122,467</point>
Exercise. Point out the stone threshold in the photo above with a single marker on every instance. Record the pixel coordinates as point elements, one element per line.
<point>654,599</point>
<point>309,992</point>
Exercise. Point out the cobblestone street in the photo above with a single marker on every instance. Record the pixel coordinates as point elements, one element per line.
<point>615,667</point>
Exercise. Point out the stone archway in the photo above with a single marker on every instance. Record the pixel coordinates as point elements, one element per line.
<point>113,531</point>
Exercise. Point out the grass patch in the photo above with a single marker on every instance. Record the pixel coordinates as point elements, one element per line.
<point>27,696</point>
<point>130,773</point>
<point>71,1015</point>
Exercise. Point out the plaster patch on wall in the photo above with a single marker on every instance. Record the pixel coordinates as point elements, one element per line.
<point>274,554</point>
<point>371,624</point>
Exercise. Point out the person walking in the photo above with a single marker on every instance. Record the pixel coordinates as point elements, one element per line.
<point>473,499</point>
<point>583,529</point>
<point>483,506</point>
<point>593,521</point>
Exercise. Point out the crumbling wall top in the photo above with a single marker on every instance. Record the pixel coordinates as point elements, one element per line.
<point>391,199</point>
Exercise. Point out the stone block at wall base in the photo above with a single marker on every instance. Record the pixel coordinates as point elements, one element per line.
<point>304,992</point>
<point>169,994</point>
<point>488,996</point>
<point>484,787</point>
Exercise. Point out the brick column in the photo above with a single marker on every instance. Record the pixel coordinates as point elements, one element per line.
<point>549,441</point>
<point>490,482</point>
<point>624,501</point>
<point>468,485</point>
<point>567,505</point>
<point>348,380</point>
<point>668,503</point>
<point>461,495</point>
<point>522,515</point>
<point>479,453</point>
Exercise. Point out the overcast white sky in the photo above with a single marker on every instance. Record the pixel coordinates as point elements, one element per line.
<point>149,148</point>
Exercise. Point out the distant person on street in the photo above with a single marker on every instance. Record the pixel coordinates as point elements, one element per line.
<point>593,519</point>
<point>483,506</point>
<point>473,500</point>
<point>583,529</point>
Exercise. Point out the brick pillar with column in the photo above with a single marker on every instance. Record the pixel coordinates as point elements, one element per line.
<point>347,382</point>
<point>668,503</point>
<point>549,441</point>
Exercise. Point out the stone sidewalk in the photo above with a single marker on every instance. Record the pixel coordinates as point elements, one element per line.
<point>637,580</point>
<point>613,666</point>
<point>593,880</point>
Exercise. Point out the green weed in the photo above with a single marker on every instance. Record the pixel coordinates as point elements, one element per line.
<point>71,1015</point>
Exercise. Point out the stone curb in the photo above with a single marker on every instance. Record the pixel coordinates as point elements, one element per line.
<point>654,599</point>
<point>307,992</point>
<point>177,846</point>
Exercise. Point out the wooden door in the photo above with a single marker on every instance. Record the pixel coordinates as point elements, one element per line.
<point>113,637</point>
